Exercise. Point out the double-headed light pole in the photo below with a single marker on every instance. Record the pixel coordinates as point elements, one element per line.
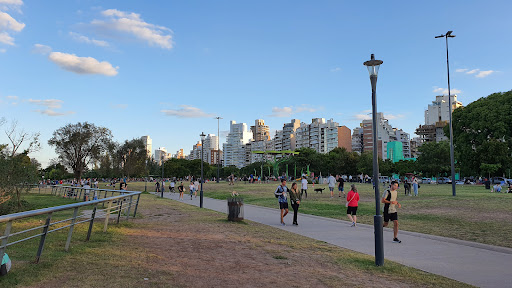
<point>452,158</point>
<point>373,69</point>
<point>202,176</point>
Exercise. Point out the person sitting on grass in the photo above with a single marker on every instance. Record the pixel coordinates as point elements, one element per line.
<point>496,188</point>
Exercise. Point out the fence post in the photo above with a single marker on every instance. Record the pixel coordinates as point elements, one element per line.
<point>70,233</point>
<point>43,237</point>
<point>109,206</point>
<point>4,239</point>
<point>136,205</point>
<point>120,209</point>
<point>129,207</point>
<point>91,223</point>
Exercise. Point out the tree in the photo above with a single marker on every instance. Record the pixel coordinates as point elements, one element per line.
<point>133,156</point>
<point>434,158</point>
<point>483,134</point>
<point>79,144</point>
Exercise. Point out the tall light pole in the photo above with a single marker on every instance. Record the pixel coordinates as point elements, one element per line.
<point>452,157</point>
<point>218,148</point>
<point>373,69</point>
<point>202,177</point>
<point>162,188</point>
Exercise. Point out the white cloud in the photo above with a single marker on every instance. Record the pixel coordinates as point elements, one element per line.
<point>82,65</point>
<point>41,49</point>
<point>393,116</point>
<point>288,111</point>
<point>11,2</point>
<point>335,69</point>
<point>3,50</point>
<point>187,112</point>
<point>51,112</point>
<point>444,91</point>
<point>361,117</point>
<point>85,39</point>
<point>119,106</point>
<point>48,103</point>
<point>51,105</point>
<point>483,74</point>
<point>133,25</point>
<point>8,24</point>
<point>12,97</point>
<point>477,72</point>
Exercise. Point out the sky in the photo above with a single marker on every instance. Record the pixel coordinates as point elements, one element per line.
<point>167,68</point>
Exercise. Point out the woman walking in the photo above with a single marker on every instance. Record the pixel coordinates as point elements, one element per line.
<point>352,203</point>
<point>295,197</point>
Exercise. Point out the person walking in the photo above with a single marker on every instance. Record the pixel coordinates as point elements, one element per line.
<point>390,211</point>
<point>283,200</point>
<point>196,187</point>
<point>352,203</point>
<point>304,186</point>
<point>192,189</point>
<point>415,186</point>
<point>157,185</point>
<point>171,186</point>
<point>332,182</point>
<point>341,183</point>
<point>181,190</point>
<point>407,187</point>
<point>295,198</point>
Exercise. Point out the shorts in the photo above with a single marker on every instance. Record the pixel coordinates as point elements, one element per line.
<point>352,210</point>
<point>340,189</point>
<point>331,189</point>
<point>283,205</point>
<point>390,216</point>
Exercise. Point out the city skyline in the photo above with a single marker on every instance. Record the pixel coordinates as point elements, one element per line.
<point>167,69</point>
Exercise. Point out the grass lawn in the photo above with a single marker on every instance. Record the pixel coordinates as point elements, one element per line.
<point>474,214</point>
<point>173,242</point>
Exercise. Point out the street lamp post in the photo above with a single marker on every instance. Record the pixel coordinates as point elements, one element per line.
<point>452,157</point>
<point>373,69</point>
<point>202,176</point>
<point>162,188</point>
<point>218,148</point>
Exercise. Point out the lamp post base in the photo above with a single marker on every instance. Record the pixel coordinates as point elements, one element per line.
<point>379,241</point>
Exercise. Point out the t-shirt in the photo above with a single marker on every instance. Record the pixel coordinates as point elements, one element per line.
<point>281,193</point>
<point>304,183</point>
<point>342,182</point>
<point>390,196</point>
<point>332,181</point>
<point>353,197</point>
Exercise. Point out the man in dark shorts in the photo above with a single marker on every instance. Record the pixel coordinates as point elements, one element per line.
<point>340,186</point>
<point>390,208</point>
<point>283,200</point>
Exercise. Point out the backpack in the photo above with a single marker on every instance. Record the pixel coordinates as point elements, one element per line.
<point>280,189</point>
<point>6,265</point>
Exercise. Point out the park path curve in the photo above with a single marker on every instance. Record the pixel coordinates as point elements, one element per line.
<point>469,262</point>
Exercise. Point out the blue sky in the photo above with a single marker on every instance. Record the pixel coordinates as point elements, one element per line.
<point>166,68</point>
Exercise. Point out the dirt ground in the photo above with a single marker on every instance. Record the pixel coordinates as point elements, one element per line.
<point>175,245</point>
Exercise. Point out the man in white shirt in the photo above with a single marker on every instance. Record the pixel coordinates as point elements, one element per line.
<point>304,186</point>
<point>332,182</point>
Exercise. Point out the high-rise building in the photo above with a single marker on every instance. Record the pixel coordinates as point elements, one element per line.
<point>160,154</point>
<point>234,148</point>
<point>403,137</point>
<point>394,151</point>
<point>357,140</point>
<point>179,154</point>
<point>323,136</point>
<point>260,131</point>
<point>437,116</point>
<point>195,153</point>
<point>385,134</point>
<point>148,143</point>
<point>289,142</point>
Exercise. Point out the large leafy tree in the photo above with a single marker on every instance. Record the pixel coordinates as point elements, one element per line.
<point>483,134</point>
<point>133,158</point>
<point>78,145</point>
<point>434,158</point>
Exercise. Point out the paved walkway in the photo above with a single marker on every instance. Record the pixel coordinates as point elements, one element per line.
<point>469,262</point>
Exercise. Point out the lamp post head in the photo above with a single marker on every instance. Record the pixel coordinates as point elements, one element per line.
<point>202,136</point>
<point>373,66</point>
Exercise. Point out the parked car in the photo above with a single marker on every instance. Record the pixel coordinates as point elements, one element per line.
<point>443,180</point>
<point>501,180</point>
<point>426,180</point>
<point>383,179</point>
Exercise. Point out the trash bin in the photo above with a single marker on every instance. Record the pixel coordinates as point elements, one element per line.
<point>235,209</point>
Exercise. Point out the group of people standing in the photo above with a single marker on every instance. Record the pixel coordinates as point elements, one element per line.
<point>389,200</point>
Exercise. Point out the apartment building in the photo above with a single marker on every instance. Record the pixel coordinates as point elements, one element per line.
<point>234,148</point>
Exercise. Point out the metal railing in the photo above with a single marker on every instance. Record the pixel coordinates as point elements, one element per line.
<point>115,204</point>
